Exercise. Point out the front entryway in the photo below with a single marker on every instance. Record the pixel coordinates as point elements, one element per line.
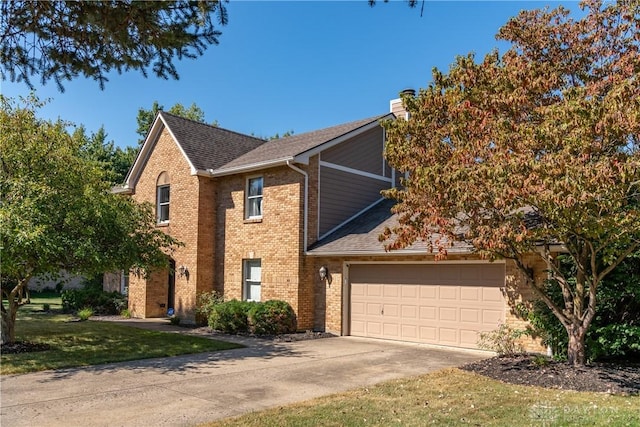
<point>439,303</point>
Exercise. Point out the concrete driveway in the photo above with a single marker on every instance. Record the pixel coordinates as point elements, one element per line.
<point>192,389</point>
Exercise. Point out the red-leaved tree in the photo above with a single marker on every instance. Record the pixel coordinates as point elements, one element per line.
<point>532,149</point>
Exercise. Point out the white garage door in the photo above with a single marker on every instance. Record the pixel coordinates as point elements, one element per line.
<point>444,304</point>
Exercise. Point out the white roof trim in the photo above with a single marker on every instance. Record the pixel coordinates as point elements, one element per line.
<point>306,155</point>
<point>251,167</point>
<point>402,252</point>
<point>147,148</point>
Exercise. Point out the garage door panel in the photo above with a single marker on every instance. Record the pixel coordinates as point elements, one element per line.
<point>374,290</point>
<point>470,315</point>
<point>492,318</point>
<point>449,314</point>
<point>428,313</point>
<point>409,312</point>
<point>428,292</point>
<point>391,291</point>
<point>492,295</point>
<point>468,338</point>
<point>410,291</point>
<point>390,310</point>
<point>445,304</point>
<point>448,292</point>
<point>410,332</point>
<point>391,330</point>
<point>358,328</point>
<point>428,334</point>
<point>373,309</point>
<point>448,336</point>
<point>470,294</point>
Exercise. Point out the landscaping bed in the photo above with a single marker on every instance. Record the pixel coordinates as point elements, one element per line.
<point>615,378</point>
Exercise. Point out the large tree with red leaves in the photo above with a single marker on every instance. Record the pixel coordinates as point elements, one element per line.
<point>532,149</point>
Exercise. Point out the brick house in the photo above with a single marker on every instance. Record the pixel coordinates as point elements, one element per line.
<point>298,219</point>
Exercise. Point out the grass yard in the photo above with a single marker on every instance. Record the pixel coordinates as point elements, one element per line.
<point>74,343</point>
<point>451,397</point>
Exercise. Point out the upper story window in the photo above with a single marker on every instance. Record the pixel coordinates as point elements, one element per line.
<point>253,202</point>
<point>163,196</point>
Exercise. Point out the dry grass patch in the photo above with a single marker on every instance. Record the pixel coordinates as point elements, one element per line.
<point>451,397</point>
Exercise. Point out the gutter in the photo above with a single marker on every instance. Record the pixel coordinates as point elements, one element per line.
<point>306,203</point>
<point>249,168</point>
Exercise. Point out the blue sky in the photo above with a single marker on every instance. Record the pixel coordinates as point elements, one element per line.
<point>293,65</point>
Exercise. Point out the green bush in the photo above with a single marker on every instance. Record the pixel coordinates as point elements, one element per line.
<point>92,295</point>
<point>85,313</point>
<point>230,317</point>
<point>272,318</point>
<point>615,329</point>
<point>205,302</point>
<point>125,313</point>
<point>503,340</point>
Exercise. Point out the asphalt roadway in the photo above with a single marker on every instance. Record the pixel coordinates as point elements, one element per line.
<point>192,389</point>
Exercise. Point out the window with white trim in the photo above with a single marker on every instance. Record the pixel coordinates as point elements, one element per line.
<point>252,277</point>
<point>253,199</point>
<point>162,198</point>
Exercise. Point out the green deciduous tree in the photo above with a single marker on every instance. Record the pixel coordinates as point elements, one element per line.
<point>145,117</point>
<point>531,149</point>
<point>61,40</point>
<point>57,213</point>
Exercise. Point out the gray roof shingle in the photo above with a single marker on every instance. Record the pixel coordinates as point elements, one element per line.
<point>360,236</point>
<point>286,148</point>
<point>206,146</point>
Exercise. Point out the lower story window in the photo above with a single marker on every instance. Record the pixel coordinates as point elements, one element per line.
<point>252,279</point>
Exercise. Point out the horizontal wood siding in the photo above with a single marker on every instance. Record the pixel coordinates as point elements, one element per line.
<point>363,152</point>
<point>343,195</point>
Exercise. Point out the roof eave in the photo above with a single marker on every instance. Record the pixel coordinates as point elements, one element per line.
<point>382,253</point>
<point>250,167</point>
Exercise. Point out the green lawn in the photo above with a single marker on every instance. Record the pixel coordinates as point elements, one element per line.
<point>75,343</point>
<point>451,397</point>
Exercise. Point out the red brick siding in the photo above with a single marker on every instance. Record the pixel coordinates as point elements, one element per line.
<point>190,221</point>
<point>276,239</point>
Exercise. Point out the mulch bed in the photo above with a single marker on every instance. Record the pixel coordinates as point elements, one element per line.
<point>24,347</point>
<point>614,378</point>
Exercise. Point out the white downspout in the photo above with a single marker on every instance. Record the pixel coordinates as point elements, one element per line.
<point>306,203</point>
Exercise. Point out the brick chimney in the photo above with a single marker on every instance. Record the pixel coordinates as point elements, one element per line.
<point>396,106</point>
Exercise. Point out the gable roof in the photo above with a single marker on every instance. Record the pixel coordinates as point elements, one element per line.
<point>297,148</point>
<point>360,236</point>
<point>214,151</point>
<point>204,147</point>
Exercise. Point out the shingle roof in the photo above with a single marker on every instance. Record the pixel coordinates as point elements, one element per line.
<point>286,148</point>
<point>360,235</point>
<point>206,146</point>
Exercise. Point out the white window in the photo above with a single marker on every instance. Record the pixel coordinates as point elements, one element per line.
<point>162,198</point>
<point>252,279</point>
<point>253,202</point>
<point>163,203</point>
<point>124,282</point>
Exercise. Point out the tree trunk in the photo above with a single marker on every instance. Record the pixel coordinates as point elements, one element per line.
<point>8,334</point>
<point>576,354</point>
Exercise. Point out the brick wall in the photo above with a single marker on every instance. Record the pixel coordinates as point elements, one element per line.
<point>191,220</point>
<point>276,239</point>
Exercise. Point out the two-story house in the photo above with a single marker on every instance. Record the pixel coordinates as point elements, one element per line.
<point>298,219</point>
